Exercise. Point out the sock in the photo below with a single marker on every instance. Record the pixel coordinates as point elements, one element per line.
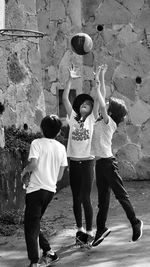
<point>81,229</point>
<point>51,252</point>
<point>90,232</point>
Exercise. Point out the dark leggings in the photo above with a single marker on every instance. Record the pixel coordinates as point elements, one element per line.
<point>107,178</point>
<point>36,204</point>
<point>81,180</point>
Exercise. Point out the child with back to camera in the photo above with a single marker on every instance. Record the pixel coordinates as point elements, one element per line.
<point>47,161</point>
<point>81,168</point>
<point>107,175</point>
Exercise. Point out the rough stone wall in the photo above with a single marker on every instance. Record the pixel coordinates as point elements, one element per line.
<point>59,20</point>
<point>33,71</point>
<point>120,30</point>
<point>20,69</point>
<point>121,36</point>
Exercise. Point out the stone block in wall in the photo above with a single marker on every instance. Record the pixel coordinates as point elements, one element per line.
<point>119,139</point>
<point>50,103</point>
<point>3,70</point>
<point>16,72</point>
<point>88,59</point>
<point>125,86</point>
<point>127,35</point>
<point>142,168</point>
<point>139,112</point>
<point>86,87</point>
<point>88,73</point>
<point>57,10</point>
<point>129,152</point>
<point>137,56</point>
<point>133,132</point>
<point>74,10</point>
<point>127,170</point>
<point>143,19</point>
<point>144,92</point>
<point>88,8</point>
<point>112,12</point>
<point>145,137</point>
<point>52,73</point>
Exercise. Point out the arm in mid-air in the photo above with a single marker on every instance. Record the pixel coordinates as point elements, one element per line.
<point>101,91</point>
<point>65,97</point>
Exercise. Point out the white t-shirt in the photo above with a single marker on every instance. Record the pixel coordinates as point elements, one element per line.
<point>101,145</point>
<point>50,154</point>
<point>80,135</point>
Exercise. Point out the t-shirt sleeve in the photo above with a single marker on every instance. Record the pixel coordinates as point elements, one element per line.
<point>112,124</point>
<point>34,150</point>
<point>64,157</point>
<point>92,117</point>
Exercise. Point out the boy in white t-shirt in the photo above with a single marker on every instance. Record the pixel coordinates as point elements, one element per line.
<point>107,175</point>
<point>47,161</point>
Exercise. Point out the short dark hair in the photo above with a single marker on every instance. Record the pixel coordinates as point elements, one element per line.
<point>50,126</point>
<point>2,108</point>
<point>117,109</point>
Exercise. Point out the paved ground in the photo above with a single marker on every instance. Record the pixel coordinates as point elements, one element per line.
<point>115,251</point>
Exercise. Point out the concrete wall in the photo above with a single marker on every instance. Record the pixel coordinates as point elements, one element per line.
<point>33,71</point>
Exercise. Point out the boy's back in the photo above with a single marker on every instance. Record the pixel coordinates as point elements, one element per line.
<point>51,155</point>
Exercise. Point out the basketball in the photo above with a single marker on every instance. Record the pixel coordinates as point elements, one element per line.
<point>81,43</point>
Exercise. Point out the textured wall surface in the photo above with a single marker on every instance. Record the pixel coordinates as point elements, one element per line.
<point>20,69</point>
<point>121,38</point>
<point>33,71</point>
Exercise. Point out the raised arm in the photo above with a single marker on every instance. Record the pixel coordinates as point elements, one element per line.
<point>102,79</point>
<point>101,91</point>
<point>96,102</point>
<point>65,97</point>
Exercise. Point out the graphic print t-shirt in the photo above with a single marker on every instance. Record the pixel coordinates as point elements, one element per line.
<point>80,135</point>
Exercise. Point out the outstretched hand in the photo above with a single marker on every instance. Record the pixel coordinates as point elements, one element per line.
<point>97,74</point>
<point>100,70</point>
<point>104,68</point>
<point>73,72</point>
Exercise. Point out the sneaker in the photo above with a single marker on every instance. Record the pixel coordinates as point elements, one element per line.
<point>90,239</point>
<point>85,239</point>
<point>79,235</point>
<point>100,235</point>
<point>137,230</point>
<point>47,259</point>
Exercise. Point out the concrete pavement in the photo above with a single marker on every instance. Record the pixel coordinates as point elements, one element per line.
<point>115,251</point>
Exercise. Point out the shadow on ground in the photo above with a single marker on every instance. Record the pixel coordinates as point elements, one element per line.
<point>115,251</point>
